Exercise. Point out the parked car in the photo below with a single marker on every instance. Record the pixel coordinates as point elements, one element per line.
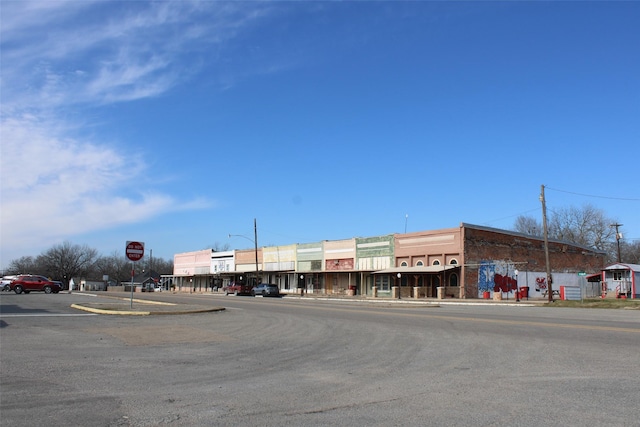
<point>6,281</point>
<point>266,290</point>
<point>151,287</point>
<point>29,282</point>
<point>237,289</point>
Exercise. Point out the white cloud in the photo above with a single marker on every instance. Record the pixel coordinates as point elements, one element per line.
<point>69,53</point>
<point>54,187</point>
<point>62,58</point>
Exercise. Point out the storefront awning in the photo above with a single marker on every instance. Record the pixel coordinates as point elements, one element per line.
<point>416,270</point>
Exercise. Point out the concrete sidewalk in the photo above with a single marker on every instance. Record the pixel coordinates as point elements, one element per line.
<point>120,305</point>
<point>423,301</point>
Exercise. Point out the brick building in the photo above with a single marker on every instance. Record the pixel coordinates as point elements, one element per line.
<point>468,261</point>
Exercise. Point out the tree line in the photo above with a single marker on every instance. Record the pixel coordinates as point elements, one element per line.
<point>587,226</point>
<point>67,260</point>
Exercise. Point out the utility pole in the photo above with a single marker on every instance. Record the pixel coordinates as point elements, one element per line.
<point>546,243</point>
<point>255,241</point>
<point>618,237</point>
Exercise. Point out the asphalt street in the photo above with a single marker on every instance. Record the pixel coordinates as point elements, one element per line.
<point>302,362</point>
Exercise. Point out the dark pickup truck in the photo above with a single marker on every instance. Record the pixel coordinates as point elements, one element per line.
<point>237,289</point>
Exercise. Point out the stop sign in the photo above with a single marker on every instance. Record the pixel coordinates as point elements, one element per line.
<point>135,251</point>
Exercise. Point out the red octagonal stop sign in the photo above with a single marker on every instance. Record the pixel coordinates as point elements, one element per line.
<point>135,251</point>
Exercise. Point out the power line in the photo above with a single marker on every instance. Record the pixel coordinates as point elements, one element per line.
<point>511,216</point>
<point>594,196</point>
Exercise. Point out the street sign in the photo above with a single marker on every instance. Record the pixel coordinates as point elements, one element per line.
<point>582,273</point>
<point>135,251</point>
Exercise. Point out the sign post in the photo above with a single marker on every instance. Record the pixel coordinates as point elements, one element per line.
<point>581,279</point>
<point>135,252</point>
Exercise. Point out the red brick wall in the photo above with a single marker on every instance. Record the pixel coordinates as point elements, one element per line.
<point>486,245</point>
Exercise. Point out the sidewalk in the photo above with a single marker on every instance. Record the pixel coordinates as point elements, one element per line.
<point>425,301</point>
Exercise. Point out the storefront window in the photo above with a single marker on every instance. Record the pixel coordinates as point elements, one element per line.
<point>383,283</point>
<point>453,280</point>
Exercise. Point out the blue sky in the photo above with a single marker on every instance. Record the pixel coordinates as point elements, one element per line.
<point>178,123</point>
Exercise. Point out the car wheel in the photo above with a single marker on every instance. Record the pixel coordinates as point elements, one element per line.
<point>18,289</point>
<point>47,289</point>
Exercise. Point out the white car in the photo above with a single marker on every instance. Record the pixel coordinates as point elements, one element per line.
<point>6,280</point>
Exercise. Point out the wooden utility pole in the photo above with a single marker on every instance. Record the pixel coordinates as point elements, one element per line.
<point>255,243</point>
<point>618,236</point>
<point>546,243</point>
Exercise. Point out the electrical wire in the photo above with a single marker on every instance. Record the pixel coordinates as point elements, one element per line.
<point>511,216</point>
<point>594,196</point>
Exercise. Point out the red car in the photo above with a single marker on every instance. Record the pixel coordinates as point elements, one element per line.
<point>28,282</point>
<point>237,289</point>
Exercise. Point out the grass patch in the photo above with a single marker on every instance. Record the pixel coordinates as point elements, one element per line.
<point>625,304</point>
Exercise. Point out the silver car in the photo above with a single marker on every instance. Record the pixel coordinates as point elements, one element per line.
<point>266,290</point>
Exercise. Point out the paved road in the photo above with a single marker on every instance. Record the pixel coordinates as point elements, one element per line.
<point>277,362</point>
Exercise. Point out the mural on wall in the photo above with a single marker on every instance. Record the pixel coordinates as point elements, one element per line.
<point>496,276</point>
<point>541,284</point>
<point>486,272</point>
<point>504,283</point>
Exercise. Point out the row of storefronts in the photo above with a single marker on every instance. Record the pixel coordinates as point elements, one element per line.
<point>462,262</point>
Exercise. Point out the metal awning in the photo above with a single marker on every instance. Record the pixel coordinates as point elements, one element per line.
<point>594,277</point>
<point>417,270</point>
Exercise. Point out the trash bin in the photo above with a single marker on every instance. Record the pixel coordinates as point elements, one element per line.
<point>524,292</point>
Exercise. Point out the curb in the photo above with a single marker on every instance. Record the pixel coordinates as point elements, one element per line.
<point>169,310</point>
<point>163,308</point>
<point>434,303</point>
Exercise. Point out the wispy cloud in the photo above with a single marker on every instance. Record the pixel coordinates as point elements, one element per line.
<point>54,187</point>
<point>95,52</point>
<point>59,58</point>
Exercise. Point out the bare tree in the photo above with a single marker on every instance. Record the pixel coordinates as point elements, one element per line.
<point>163,266</point>
<point>629,251</point>
<point>66,260</point>
<point>219,247</point>
<point>586,226</point>
<point>116,266</point>
<point>528,225</point>
<point>23,265</point>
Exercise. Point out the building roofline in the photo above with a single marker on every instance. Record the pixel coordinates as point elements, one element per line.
<point>528,236</point>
